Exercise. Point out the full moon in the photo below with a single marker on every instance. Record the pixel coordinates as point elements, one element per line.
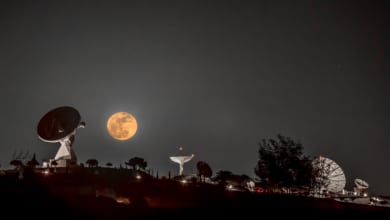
<point>122,126</point>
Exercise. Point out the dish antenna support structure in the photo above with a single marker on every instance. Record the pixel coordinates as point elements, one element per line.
<point>181,160</point>
<point>60,125</point>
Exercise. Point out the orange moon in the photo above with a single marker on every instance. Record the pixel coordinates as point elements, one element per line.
<point>122,126</point>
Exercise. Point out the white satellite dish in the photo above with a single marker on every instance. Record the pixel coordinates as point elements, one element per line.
<point>361,184</point>
<point>329,175</point>
<point>181,160</point>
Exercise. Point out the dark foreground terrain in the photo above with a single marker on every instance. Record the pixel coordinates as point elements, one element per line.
<point>107,195</point>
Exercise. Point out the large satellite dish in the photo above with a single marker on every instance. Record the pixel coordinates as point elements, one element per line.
<point>329,175</point>
<point>59,125</point>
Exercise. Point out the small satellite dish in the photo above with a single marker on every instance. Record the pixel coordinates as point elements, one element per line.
<point>59,125</point>
<point>329,175</point>
<point>181,160</point>
<point>361,184</point>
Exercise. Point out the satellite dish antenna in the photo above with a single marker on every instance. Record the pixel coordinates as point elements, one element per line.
<point>59,125</point>
<point>181,160</point>
<point>361,187</point>
<point>361,184</point>
<point>329,175</point>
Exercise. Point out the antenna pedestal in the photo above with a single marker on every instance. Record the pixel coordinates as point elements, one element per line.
<point>65,155</point>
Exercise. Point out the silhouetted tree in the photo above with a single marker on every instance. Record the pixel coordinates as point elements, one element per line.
<point>137,163</point>
<point>204,170</point>
<point>19,167</point>
<point>108,164</point>
<point>16,163</point>
<point>33,162</point>
<point>222,176</point>
<point>92,162</point>
<point>54,164</point>
<point>282,164</point>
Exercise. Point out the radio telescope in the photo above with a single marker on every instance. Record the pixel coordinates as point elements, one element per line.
<point>181,160</point>
<point>361,186</point>
<point>329,175</point>
<point>59,125</point>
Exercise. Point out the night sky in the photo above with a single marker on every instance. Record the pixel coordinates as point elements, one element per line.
<point>213,77</point>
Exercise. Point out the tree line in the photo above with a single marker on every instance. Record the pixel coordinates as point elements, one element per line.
<point>281,164</point>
